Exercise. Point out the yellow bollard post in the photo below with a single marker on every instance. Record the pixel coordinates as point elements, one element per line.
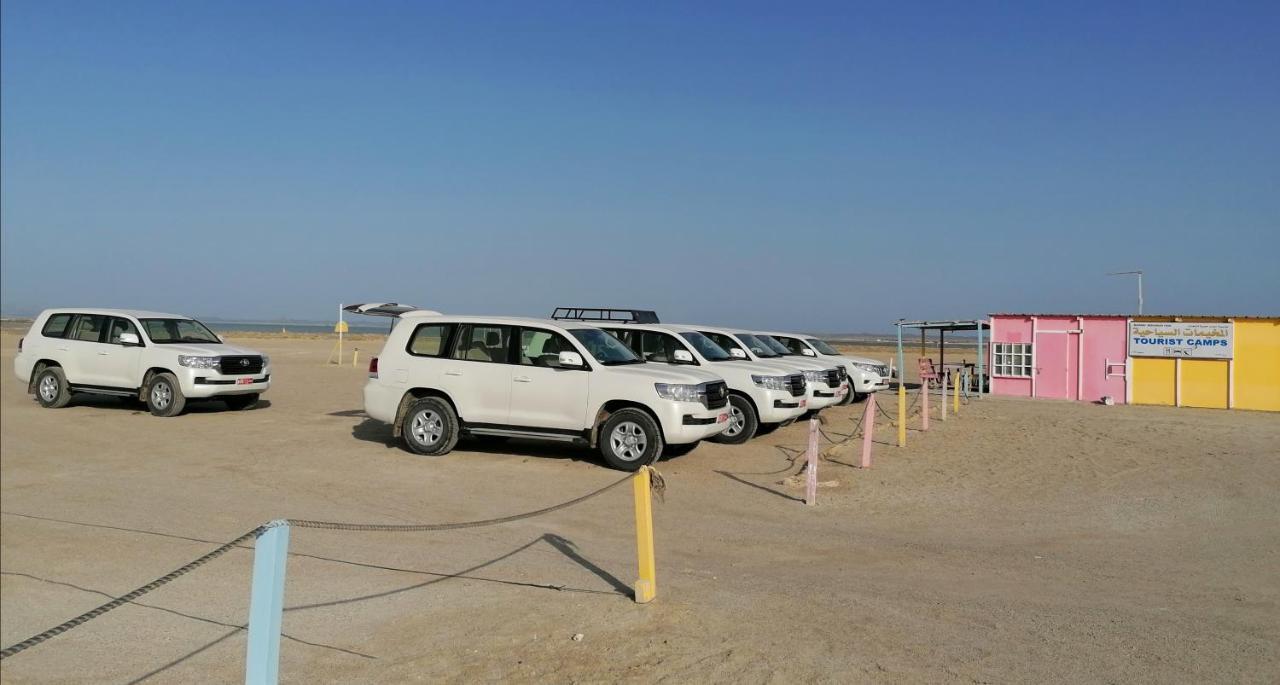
<point>955,395</point>
<point>646,585</point>
<point>354,357</point>
<point>902,413</point>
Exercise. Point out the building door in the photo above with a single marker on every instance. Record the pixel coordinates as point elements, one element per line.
<point>1052,370</point>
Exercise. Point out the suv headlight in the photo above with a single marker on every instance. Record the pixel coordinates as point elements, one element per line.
<point>869,368</point>
<point>677,392</point>
<point>770,382</point>
<point>265,360</point>
<point>195,362</point>
<point>815,376</point>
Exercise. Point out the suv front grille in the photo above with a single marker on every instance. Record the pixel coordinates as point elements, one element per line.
<point>795,383</point>
<point>833,378</point>
<point>240,365</point>
<point>716,395</point>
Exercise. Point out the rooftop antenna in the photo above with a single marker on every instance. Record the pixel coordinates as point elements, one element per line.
<point>1137,273</point>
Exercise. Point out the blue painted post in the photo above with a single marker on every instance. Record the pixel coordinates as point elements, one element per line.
<point>266,605</point>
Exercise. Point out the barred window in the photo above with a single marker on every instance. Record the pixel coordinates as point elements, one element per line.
<point>1012,359</point>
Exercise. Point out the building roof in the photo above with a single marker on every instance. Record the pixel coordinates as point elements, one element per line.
<point>953,325</point>
<point>1142,316</point>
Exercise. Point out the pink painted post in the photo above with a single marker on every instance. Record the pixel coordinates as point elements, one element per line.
<point>811,483</point>
<point>924,404</point>
<point>868,424</point>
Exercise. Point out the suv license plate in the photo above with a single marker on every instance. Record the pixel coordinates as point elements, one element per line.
<point>804,402</point>
<point>243,381</point>
<point>722,418</point>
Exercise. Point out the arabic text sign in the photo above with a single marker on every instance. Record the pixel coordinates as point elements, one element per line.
<point>1194,340</point>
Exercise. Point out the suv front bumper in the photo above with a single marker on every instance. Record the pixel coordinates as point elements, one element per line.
<point>686,422</point>
<point>777,406</point>
<point>204,383</point>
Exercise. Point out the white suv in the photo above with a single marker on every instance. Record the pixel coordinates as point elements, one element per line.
<point>760,393</point>
<point>826,384</point>
<point>440,377</point>
<point>162,359</point>
<point>865,375</point>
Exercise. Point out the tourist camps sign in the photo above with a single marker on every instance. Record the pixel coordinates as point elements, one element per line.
<point>1172,339</point>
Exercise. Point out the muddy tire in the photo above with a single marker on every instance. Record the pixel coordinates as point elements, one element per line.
<point>630,439</point>
<point>429,427</point>
<point>164,396</point>
<point>52,391</point>
<point>743,422</point>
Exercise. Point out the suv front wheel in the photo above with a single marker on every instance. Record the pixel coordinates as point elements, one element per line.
<point>743,422</point>
<point>630,439</point>
<point>430,427</point>
<point>164,396</point>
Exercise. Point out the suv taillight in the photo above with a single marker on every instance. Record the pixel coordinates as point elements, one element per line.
<point>373,368</point>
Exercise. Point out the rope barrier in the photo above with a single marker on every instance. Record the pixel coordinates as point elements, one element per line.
<point>657,485</point>
<point>128,597</point>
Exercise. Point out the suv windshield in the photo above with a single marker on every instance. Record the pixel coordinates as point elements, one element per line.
<point>822,347</point>
<point>776,346</point>
<point>706,347</point>
<point>607,349</point>
<point>167,331</point>
<point>757,346</point>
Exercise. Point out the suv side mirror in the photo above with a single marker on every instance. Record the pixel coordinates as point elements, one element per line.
<point>571,360</point>
<point>682,357</point>
<point>129,339</point>
<point>808,352</point>
<point>737,353</point>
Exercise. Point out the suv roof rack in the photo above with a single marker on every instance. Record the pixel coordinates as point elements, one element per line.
<point>606,314</point>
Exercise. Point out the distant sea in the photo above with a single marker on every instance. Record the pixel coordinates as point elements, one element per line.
<point>293,327</point>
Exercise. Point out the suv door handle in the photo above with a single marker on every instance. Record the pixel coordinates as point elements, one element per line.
<point>522,379</point>
<point>453,373</point>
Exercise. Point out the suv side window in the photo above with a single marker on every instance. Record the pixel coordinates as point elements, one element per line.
<point>120,326</point>
<point>656,347</point>
<point>483,343</point>
<point>729,344</point>
<point>429,339</point>
<point>628,337</point>
<point>57,325</point>
<point>540,348</point>
<point>89,328</point>
<point>792,344</point>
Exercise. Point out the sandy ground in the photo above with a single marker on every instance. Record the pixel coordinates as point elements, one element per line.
<point>1023,541</point>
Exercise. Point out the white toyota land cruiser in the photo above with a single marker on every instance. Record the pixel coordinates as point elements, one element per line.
<point>865,375</point>
<point>162,359</point>
<point>440,377</point>
<point>760,393</point>
<point>826,384</point>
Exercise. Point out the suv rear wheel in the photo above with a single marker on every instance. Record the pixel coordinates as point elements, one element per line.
<point>630,439</point>
<point>430,427</point>
<point>743,422</point>
<point>164,396</point>
<point>51,388</point>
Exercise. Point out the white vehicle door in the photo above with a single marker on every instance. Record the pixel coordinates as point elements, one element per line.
<point>478,373</point>
<point>119,362</point>
<point>84,361</point>
<point>542,395</point>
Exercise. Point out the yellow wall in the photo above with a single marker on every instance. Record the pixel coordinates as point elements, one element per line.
<point>1153,381</point>
<point>1257,367</point>
<point>1204,383</point>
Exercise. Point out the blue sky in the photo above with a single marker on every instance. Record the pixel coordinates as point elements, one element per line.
<point>786,165</point>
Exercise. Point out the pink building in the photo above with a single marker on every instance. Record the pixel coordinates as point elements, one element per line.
<point>1071,357</point>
